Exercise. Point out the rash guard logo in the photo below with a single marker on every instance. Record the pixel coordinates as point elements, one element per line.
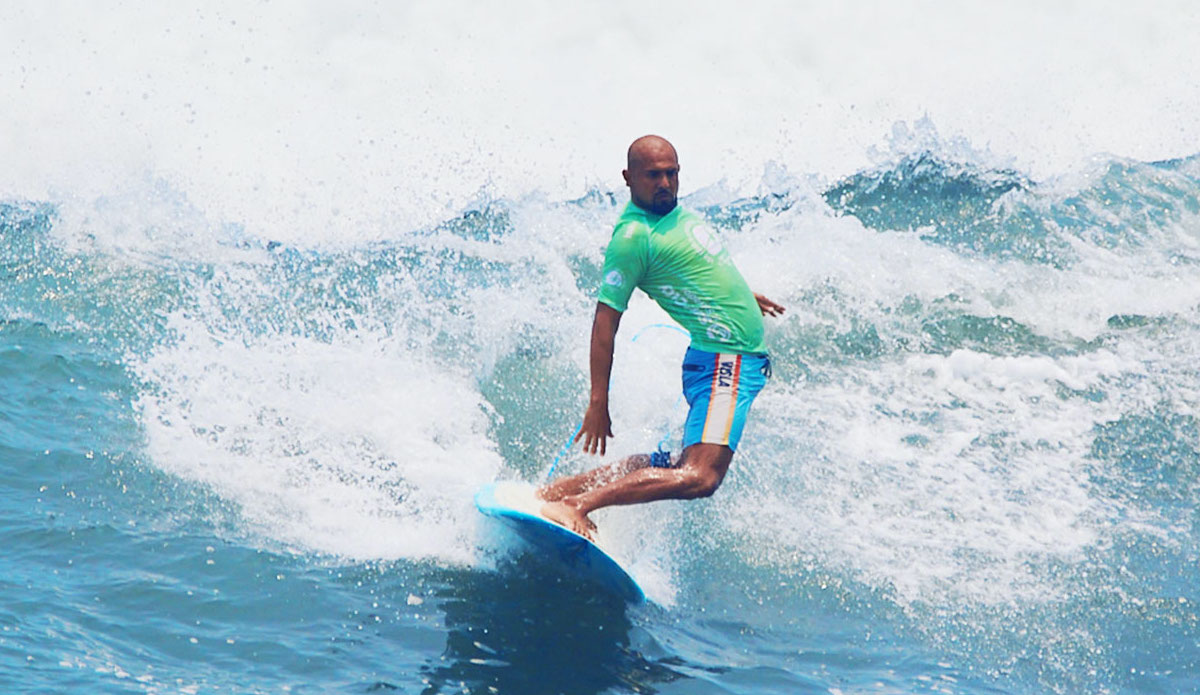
<point>718,332</point>
<point>707,239</point>
<point>614,278</point>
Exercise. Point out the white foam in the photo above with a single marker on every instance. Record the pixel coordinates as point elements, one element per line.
<point>355,447</point>
<point>307,124</point>
<point>940,478</point>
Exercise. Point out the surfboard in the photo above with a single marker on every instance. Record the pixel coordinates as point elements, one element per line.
<point>513,505</point>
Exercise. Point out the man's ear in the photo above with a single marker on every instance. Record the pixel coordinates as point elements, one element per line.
<point>625,175</point>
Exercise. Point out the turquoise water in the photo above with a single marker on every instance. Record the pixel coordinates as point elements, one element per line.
<point>246,466</point>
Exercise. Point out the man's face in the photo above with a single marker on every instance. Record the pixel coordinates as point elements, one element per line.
<point>653,180</point>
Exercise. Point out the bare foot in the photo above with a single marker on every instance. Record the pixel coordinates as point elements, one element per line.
<point>569,517</point>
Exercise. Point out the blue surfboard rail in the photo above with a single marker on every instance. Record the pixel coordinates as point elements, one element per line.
<point>573,552</point>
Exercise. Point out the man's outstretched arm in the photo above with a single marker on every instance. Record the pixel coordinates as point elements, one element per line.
<point>597,425</point>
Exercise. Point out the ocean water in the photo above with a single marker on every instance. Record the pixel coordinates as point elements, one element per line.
<point>282,285</point>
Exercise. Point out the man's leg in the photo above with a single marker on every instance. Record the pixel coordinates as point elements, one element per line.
<point>576,484</point>
<point>701,469</point>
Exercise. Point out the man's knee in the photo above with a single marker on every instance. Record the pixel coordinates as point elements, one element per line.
<point>701,482</point>
<point>702,468</point>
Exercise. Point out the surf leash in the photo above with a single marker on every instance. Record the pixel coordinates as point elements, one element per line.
<point>657,325</point>
<point>563,451</point>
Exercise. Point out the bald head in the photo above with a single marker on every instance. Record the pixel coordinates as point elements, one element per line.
<point>652,174</point>
<point>650,147</point>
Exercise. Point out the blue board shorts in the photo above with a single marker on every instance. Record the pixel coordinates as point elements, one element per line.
<point>719,388</point>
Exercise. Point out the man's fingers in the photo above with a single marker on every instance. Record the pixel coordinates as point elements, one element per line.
<point>593,442</point>
<point>768,307</point>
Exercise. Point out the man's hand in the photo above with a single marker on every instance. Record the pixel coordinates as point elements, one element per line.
<point>767,307</point>
<point>597,425</point>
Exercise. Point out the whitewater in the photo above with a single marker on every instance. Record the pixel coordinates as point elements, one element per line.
<point>283,284</point>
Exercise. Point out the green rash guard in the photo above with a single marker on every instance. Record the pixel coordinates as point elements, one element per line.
<point>679,261</point>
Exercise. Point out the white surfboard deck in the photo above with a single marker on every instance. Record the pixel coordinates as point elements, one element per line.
<point>515,505</point>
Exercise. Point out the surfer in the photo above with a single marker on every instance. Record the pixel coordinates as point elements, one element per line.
<point>678,260</point>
